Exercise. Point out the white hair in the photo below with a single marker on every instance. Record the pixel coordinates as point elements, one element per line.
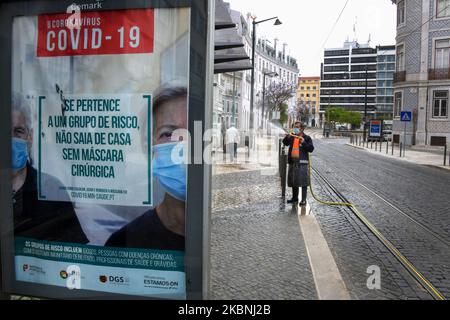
<point>21,105</point>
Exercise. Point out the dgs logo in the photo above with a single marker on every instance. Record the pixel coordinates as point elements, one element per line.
<point>111,279</point>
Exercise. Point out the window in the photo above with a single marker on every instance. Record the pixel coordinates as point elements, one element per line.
<point>401,58</point>
<point>308,88</point>
<point>443,8</point>
<point>314,88</point>
<point>442,57</point>
<point>401,12</point>
<point>440,104</point>
<point>398,104</point>
<point>302,88</point>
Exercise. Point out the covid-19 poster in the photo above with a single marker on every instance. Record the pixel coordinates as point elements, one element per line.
<point>98,198</point>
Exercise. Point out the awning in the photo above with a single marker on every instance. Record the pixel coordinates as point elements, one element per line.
<point>229,54</point>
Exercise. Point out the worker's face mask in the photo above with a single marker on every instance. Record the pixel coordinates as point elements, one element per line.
<point>296,131</point>
<point>19,154</point>
<point>170,166</point>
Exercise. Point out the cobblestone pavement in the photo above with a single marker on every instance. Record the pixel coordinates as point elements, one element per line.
<point>257,247</point>
<point>419,191</point>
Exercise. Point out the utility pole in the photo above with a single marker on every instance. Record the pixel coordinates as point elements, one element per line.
<point>233,110</point>
<point>252,84</point>
<point>365,109</point>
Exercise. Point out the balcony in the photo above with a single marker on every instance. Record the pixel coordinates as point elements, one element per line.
<point>399,76</point>
<point>439,74</point>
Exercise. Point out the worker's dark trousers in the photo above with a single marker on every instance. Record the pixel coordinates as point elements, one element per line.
<point>295,192</point>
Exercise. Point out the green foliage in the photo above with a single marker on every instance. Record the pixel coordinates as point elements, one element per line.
<point>283,108</point>
<point>340,115</point>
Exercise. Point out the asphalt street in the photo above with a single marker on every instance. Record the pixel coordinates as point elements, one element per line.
<point>409,204</point>
<point>257,246</point>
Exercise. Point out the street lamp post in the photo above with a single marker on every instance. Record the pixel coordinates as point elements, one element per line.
<point>265,74</point>
<point>365,109</point>
<point>252,84</point>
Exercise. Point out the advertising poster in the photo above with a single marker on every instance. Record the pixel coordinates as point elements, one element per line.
<point>375,128</point>
<point>99,180</point>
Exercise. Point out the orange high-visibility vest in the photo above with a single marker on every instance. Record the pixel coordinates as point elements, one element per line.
<point>296,149</point>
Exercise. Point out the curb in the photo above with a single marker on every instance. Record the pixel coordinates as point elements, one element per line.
<point>402,159</point>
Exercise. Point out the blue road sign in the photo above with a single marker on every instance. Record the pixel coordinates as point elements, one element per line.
<point>406,116</point>
<point>375,128</point>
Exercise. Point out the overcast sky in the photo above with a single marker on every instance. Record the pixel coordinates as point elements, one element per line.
<point>307,23</point>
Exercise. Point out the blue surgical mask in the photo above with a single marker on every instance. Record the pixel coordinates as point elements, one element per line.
<point>19,154</point>
<point>170,168</point>
<point>296,130</point>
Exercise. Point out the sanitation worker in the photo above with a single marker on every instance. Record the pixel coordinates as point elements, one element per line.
<point>300,145</point>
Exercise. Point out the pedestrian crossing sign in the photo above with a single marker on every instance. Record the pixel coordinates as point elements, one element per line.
<point>406,116</point>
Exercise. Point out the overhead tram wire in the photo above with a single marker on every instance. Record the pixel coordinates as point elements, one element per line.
<point>335,24</point>
<point>407,35</point>
<point>420,27</point>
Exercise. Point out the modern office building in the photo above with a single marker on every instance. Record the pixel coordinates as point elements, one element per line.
<point>358,78</point>
<point>348,74</point>
<point>385,82</point>
<point>422,78</point>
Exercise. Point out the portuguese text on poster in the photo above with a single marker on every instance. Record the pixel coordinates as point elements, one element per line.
<point>96,33</point>
<point>117,270</point>
<point>96,145</point>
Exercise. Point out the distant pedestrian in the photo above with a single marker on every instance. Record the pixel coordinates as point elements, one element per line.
<point>300,145</point>
<point>233,139</point>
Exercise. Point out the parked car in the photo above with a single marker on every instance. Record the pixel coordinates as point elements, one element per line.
<point>387,135</point>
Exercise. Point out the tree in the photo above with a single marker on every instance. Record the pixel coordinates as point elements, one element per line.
<point>278,94</point>
<point>284,114</point>
<point>353,118</point>
<point>301,111</point>
<point>334,115</point>
<point>339,115</point>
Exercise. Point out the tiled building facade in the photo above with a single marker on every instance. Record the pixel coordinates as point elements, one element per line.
<point>422,78</point>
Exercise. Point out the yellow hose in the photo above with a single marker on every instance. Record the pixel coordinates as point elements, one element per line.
<point>374,230</point>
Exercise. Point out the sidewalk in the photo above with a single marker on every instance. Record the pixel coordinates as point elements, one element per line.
<point>419,155</point>
<point>263,157</point>
<point>263,248</point>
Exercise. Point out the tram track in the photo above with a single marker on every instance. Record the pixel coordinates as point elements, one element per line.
<point>413,216</point>
<point>419,224</point>
<point>412,270</point>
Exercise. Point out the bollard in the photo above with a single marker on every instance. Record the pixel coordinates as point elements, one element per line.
<point>393,147</point>
<point>376,145</point>
<point>367,143</point>
<point>387,146</point>
<point>280,145</point>
<point>371,145</point>
<point>445,155</point>
<point>283,170</point>
<point>401,145</point>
